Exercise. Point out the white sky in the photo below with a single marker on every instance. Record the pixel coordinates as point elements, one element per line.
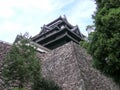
<point>20,16</point>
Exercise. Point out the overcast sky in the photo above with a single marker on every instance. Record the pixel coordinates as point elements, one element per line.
<point>20,16</point>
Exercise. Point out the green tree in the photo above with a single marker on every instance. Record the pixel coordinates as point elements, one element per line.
<point>104,46</point>
<point>90,28</point>
<point>85,43</point>
<point>20,63</point>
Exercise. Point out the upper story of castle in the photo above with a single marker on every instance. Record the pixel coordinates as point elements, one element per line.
<point>57,33</point>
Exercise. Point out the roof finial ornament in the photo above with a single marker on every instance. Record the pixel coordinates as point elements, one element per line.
<point>64,17</point>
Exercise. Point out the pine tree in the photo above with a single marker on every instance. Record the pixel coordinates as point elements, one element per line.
<point>20,63</point>
<point>105,44</point>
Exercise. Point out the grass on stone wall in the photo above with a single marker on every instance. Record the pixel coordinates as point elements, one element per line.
<point>16,88</point>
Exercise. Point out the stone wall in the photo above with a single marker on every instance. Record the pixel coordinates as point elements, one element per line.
<point>70,67</point>
<point>93,79</point>
<point>4,48</point>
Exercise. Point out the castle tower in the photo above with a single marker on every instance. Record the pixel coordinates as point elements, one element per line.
<point>66,63</point>
<point>57,33</point>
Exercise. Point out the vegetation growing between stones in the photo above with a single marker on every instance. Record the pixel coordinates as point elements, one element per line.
<point>16,88</point>
<point>45,84</point>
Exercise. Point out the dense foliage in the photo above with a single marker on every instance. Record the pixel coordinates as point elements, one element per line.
<point>20,63</point>
<point>105,44</point>
<point>45,84</point>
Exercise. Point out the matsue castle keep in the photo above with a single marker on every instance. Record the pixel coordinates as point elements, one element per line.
<point>63,59</point>
<point>57,33</point>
